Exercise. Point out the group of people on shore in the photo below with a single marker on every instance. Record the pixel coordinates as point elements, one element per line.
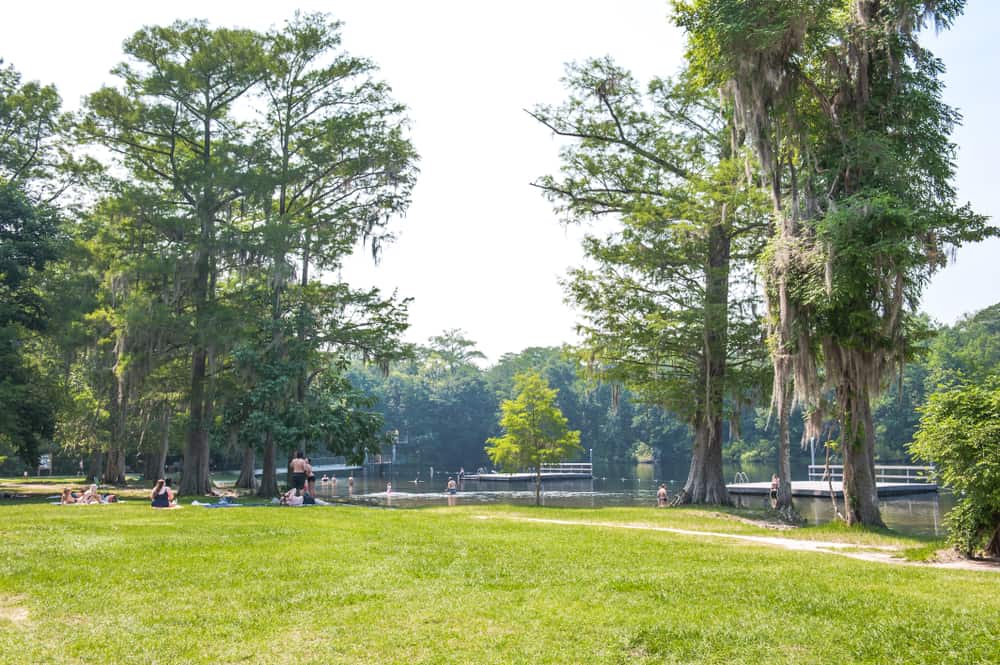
<point>303,480</point>
<point>89,496</point>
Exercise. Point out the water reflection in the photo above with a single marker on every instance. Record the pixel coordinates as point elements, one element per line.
<point>916,515</point>
<point>632,485</point>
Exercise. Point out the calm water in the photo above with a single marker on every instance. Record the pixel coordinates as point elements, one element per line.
<point>612,486</point>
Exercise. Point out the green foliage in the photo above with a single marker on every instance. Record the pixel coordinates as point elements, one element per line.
<point>968,352</point>
<point>643,452</point>
<point>662,164</point>
<point>250,163</point>
<point>535,431</point>
<point>844,109</point>
<point>30,239</point>
<point>960,434</point>
<point>438,402</point>
<point>444,408</point>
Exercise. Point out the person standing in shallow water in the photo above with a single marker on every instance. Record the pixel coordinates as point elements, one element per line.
<point>661,496</point>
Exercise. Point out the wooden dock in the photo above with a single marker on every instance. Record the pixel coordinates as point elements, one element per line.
<point>510,477</point>
<point>821,488</point>
<point>562,471</point>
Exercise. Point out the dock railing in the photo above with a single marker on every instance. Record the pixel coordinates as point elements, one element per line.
<point>884,473</point>
<point>569,467</point>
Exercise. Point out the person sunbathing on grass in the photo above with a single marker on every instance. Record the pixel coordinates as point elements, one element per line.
<point>91,495</point>
<point>67,497</point>
<point>162,496</point>
<point>292,498</point>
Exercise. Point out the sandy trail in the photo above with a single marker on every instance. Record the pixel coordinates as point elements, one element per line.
<point>877,553</point>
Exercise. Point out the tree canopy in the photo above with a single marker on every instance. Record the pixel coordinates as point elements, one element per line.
<point>843,106</point>
<point>535,431</point>
<point>667,307</point>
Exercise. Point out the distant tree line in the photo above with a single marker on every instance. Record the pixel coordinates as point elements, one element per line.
<point>443,405</point>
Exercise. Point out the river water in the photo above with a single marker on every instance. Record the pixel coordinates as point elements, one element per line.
<point>632,485</point>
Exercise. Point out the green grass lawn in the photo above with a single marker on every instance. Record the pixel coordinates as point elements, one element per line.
<point>349,584</point>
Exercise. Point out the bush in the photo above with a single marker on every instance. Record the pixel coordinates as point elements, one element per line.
<point>960,434</point>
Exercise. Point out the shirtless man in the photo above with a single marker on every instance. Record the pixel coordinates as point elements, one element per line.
<point>661,496</point>
<point>298,468</point>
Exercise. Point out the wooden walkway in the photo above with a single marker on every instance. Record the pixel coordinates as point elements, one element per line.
<point>509,477</point>
<point>560,471</point>
<point>822,488</point>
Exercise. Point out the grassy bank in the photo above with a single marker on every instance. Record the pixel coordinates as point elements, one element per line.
<point>126,584</point>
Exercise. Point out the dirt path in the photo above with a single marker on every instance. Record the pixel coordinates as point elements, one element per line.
<point>877,553</point>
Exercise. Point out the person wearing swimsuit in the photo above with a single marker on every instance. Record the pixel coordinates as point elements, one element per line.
<point>161,495</point>
<point>298,469</point>
<point>310,478</point>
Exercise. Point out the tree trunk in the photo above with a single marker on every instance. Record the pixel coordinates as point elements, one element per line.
<point>784,499</point>
<point>538,486</point>
<point>150,466</point>
<point>195,475</point>
<point>157,459</point>
<point>269,475</point>
<point>247,479</point>
<point>114,467</point>
<point>161,465</point>
<point>705,482</point>
<point>858,443</point>
<point>993,547</point>
<point>95,466</point>
<point>195,478</point>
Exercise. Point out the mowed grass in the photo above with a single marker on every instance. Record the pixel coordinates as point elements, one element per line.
<point>350,584</point>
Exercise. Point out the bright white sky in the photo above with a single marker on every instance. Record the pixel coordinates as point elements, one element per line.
<point>480,249</point>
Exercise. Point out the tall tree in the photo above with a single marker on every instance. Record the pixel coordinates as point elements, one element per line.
<point>173,124</point>
<point>843,107</point>
<point>668,308</point>
<point>336,168</point>
<point>35,169</point>
<point>534,430</point>
<point>29,239</point>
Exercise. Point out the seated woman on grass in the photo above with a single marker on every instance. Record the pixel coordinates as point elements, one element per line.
<point>162,496</point>
<point>67,497</point>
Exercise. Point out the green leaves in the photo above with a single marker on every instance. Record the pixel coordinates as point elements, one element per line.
<point>535,430</point>
<point>960,434</point>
